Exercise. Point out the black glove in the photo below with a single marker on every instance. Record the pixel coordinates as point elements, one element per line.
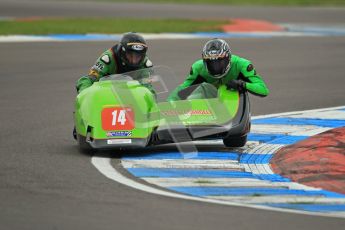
<point>236,84</point>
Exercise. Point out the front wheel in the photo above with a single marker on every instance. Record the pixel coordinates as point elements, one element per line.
<point>235,141</point>
<point>84,147</point>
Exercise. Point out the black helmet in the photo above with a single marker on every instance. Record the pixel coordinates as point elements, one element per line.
<point>216,55</point>
<point>133,49</point>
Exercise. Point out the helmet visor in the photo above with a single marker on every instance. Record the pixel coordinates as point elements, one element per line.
<point>134,58</point>
<point>218,66</point>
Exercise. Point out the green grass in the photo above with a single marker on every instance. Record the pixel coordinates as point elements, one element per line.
<point>256,194</point>
<point>245,2</point>
<point>304,202</point>
<point>204,182</point>
<point>107,25</point>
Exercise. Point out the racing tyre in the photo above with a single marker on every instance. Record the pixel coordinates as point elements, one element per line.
<point>74,133</point>
<point>235,141</point>
<point>84,147</point>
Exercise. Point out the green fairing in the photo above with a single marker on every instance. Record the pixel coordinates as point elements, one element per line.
<point>101,69</point>
<point>239,66</point>
<point>91,101</point>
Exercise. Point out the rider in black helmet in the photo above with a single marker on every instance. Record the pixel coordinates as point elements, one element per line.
<point>219,66</point>
<point>216,55</point>
<point>128,55</point>
<point>133,50</point>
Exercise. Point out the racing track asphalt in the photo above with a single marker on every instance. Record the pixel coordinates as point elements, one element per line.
<point>45,183</point>
<point>56,8</point>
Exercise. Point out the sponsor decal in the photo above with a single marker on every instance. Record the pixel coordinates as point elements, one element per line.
<point>214,56</point>
<point>213,52</point>
<point>250,67</point>
<point>98,66</point>
<point>119,134</point>
<point>119,141</point>
<point>137,46</point>
<point>149,63</point>
<point>105,59</point>
<point>186,112</point>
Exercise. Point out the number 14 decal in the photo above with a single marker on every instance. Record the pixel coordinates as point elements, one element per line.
<point>120,119</point>
<point>117,118</point>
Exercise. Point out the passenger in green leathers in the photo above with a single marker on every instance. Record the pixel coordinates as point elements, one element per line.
<point>219,67</point>
<point>128,55</point>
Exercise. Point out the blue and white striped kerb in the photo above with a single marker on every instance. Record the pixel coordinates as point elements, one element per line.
<point>243,175</point>
<point>291,31</point>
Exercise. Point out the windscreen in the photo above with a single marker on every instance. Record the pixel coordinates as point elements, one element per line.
<point>162,81</point>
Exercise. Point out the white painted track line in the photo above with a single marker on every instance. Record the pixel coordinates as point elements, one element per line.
<point>183,163</point>
<point>293,130</point>
<point>23,38</point>
<point>223,182</point>
<point>297,112</point>
<point>281,199</point>
<point>336,115</point>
